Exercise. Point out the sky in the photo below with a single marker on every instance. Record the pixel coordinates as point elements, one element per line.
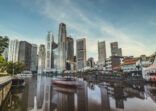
<point>132,23</point>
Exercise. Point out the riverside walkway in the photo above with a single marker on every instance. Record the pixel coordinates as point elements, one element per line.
<point>5,85</point>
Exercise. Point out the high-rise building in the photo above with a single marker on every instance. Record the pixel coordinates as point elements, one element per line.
<point>101,52</point>
<point>114,48</point>
<point>62,47</point>
<point>81,53</point>
<point>49,60</point>
<point>69,48</point>
<point>34,58</point>
<point>13,50</point>
<point>90,62</point>
<point>115,51</point>
<point>41,58</point>
<point>119,52</point>
<point>25,54</point>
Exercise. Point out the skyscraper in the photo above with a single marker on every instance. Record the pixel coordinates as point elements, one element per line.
<point>41,59</point>
<point>13,50</point>
<point>69,49</point>
<point>119,52</point>
<point>62,47</point>
<point>49,62</point>
<point>81,53</point>
<point>115,51</point>
<point>25,54</point>
<point>34,58</point>
<point>101,52</point>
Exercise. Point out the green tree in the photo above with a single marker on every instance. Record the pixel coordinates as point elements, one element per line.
<point>14,68</point>
<point>1,59</point>
<point>3,43</point>
<point>2,64</point>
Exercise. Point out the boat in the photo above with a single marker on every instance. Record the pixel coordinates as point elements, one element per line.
<point>18,82</point>
<point>25,74</point>
<point>65,82</point>
<point>64,89</point>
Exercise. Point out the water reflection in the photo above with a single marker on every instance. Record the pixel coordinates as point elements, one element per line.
<point>104,96</point>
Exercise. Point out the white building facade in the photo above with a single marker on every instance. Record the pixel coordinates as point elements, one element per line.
<point>13,50</point>
<point>61,65</point>
<point>48,59</point>
<point>41,59</point>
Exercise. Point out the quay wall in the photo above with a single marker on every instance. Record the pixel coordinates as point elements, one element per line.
<point>5,86</point>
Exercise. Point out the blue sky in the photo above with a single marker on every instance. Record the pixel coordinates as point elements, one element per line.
<point>130,22</point>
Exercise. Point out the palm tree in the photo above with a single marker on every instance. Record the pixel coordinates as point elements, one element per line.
<point>3,43</point>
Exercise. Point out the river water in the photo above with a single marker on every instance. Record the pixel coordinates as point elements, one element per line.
<point>104,96</point>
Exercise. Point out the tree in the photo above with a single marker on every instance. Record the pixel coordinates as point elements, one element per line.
<point>3,43</point>
<point>2,64</point>
<point>14,68</point>
<point>1,59</point>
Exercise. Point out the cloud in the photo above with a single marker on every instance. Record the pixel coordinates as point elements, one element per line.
<point>81,23</point>
<point>94,29</point>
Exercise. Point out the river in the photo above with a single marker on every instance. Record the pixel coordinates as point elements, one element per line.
<point>39,94</point>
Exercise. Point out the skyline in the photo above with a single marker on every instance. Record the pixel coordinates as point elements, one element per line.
<point>131,24</point>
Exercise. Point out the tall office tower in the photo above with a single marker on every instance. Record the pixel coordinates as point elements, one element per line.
<point>101,52</point>
<point>34,58</point>
<point>119,52</point>
<point>41,59</point>
<point>62,47</point>
<point>49,60</point>
<point>70,49</point>
<point>115,51</point>
<point>25,54</point>
<point>81,53</point>
<point>13,50</point>
<point>114,48</point>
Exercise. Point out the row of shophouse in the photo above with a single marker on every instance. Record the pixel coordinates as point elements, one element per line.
<point>127,64</point>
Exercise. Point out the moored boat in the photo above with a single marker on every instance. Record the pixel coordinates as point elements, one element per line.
<point>65,82</point>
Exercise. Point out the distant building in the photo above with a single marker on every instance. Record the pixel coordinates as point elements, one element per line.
<point>115,51</point>
<point>129,65</point>
<point>144,61</point>
<point>113,63</point>
<point>34,58</point>
<point>91,62</point>
<point>69,49</point>
<point>81,53</point>
<point>49,62</point>
<point>41,59</point>
<point>108,64</point>
<point>62,47</point>
<point>119,52</point>
<point>101,52</point>
<point>25,54</point>
<point>13,50</point>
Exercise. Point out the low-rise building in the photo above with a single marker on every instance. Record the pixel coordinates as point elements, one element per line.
<point>90,62</point>
<point>129,65</point>
<point>113,63</point>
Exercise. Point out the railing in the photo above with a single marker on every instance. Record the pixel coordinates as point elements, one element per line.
<point>5,85</point>
<point>5,79</point>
